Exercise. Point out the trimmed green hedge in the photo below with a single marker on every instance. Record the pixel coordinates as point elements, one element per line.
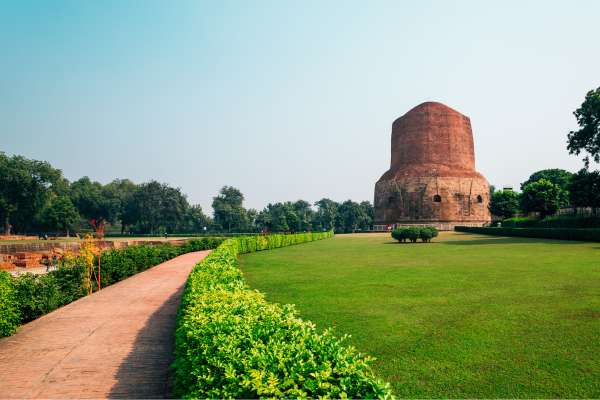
<point>27,297</point>
<point>588,235</point>
<point>413,233</point>
<point>232,343</point>
<point>9,307</point>
<point>559,221</point>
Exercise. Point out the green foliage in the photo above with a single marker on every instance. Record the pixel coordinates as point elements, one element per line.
<point>326,214</point>
<point>413,233</point>
<point>437,316</point>
<point>584,189</point>
<point>232,343</point>
<point>25,186</point>
<point>589,235</point>
<point>559,221</point>
<point>60,214</point>
<point>36,295</point>
<point>90,199</point>
<point>541,196</point>
<point>9,306</point>
<point>155,208</point>
<point>587,138</point>
<point>352,216</point>
<point>228,209</point>
<point>504,203</point>
<point>557,176</point>
<point>520,222</point>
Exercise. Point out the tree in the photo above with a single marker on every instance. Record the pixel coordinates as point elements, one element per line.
<point>504,203</point>
<point>156,207</point>
<point>305,215</point>
<point>369,213</point>
<point>229,212</point>
<point>194,220</point>
<point>557,176</point>
<point>92,202</point>
<point>584,189</point>
<point>350,216</point>
<point>542,196</point>
<point>25,186</point>
<point>587,138</point>
<point>119,192</point>
<point>326,214</point>
<point>60,214</point>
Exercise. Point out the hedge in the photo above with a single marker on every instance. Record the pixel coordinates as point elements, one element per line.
<point>232,343</point>
<point>589,235</point>
<point>27,297</point>
<point>559,221</point>
<point>9,307</point>
<point>413,233</point>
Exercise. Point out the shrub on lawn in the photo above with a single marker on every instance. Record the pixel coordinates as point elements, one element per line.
<point>232,343</point>
<point>413,233</point>
<point>36,295</point>
<point>9,306</point>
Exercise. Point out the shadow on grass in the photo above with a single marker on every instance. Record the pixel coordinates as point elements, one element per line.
<point>407,243</point>
<point>146,373</point>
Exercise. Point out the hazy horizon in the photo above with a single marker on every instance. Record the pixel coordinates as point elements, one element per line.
<point>287,100</point>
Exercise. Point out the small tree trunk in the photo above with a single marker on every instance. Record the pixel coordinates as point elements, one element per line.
<point>6,225</point>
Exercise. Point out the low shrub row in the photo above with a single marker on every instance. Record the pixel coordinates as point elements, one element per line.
<point>232,343</point>
<point>559,221</point>
<point>27,297</point>
<point>589,235</point>
<point>413,233</point>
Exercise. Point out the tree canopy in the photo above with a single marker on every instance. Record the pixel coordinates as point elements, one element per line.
<point>504,203</point>
<point>541,196</point>
<point>587,138</point>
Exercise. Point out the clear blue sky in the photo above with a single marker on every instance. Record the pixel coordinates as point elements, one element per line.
<point>287,99</point>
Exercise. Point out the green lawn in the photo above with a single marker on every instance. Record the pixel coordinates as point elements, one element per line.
<point>464,316</point>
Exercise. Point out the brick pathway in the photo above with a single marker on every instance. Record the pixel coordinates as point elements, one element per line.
<point>115,343</point>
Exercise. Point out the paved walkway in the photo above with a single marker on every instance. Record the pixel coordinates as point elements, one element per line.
<point>115,343</point>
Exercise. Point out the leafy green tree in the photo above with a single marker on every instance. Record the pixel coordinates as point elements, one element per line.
<point>350,216</point>
<point>584,189</point>
<point>370,215</point>
<point>587,138</point>
<point>326,214</point>
<point>504,203</point>
<point>119,192</point>
<point>305,214</point>
<point>156,207</point>
<point>542,196</point>
<point>25,186</point>
<point>557,176</point>
<point>92,202</point>
<point>194,220</point>
<point>228,209</point>
<point>60,214</point>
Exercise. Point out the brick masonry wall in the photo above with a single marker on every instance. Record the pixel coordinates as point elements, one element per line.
<point>432,177</point>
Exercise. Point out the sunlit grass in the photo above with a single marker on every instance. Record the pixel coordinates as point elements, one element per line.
<point>464,316</point>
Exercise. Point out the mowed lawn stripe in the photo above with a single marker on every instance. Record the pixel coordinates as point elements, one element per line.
<point>464,316</point>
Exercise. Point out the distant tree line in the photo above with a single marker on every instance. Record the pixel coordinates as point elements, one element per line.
<point>546,191</point>
<point>298,216</point>
<point>36,197</point>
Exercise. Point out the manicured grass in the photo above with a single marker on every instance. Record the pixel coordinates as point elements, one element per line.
<point>464,316</point>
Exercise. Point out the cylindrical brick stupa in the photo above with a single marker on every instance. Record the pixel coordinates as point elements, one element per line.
<point>432,178</point>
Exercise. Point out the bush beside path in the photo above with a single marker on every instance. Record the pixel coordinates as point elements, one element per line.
<point>117,342</point>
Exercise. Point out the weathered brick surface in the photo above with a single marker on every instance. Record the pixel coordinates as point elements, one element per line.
<point>116,343</point>
<point>432,159</point>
